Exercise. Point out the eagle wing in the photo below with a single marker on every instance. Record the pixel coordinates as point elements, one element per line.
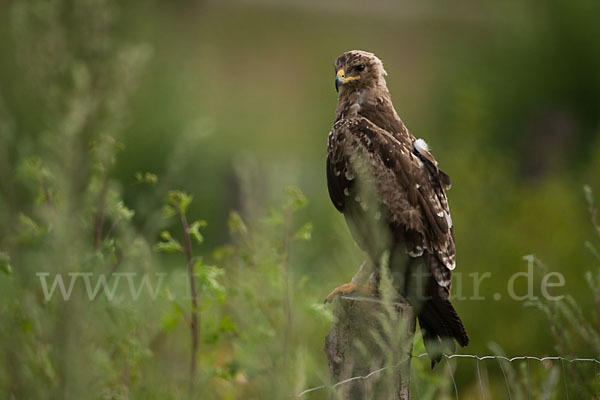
<point>408,185</point>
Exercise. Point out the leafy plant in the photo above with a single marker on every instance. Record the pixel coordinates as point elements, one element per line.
<point>208,276</point>
<point>570,324</point>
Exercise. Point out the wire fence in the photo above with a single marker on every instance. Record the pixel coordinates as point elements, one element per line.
<point>480,381</point>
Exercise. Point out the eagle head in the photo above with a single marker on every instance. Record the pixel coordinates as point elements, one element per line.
<point>357,69</point>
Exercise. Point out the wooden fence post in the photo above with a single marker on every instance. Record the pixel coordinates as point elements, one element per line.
<point>365,339</point>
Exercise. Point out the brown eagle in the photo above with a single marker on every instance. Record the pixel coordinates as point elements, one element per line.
<point>392,194</point>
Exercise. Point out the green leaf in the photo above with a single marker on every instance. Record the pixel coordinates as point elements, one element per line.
<point>171,319</point>
<point>168,211</point>
<point>208,276</point>
<point>294,199</point>
<point>32,168</point>
<point>223,252</point>
<point>227,325</point>
<point>109,246</point>
<point>236,224</point>
<point>168,244</point>
<point>29,230</point>
<point>146,177</point>
<point>211,338</point>
<point>305,232</point>
<point>179,200</point>
<point>275,218</point>
<point>184,202</point>
<point>166,247</point>
<point>119,210</point>
<point>5,263</point>
<point>194,230</point>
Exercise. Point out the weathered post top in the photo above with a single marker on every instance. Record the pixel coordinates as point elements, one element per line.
<point>372,342</point>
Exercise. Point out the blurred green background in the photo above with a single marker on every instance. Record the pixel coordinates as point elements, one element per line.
<point>231,102</point>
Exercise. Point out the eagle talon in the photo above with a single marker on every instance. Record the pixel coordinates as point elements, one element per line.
<point>351,287</point>
<point>344,289</point>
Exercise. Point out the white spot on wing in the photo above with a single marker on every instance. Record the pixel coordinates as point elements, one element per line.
<point>417,253</point>
<point>421,146</point>
<point>448,219</point>
<point>444,283</point>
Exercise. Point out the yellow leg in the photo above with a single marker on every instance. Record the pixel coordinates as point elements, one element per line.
<point>348,288</point>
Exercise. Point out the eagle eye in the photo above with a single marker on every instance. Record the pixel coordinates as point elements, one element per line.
<point>360,67</point>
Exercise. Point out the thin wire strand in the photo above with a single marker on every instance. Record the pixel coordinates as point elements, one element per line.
<point>479,358</point>
<point>505,379</point>
<point>479,379</point>
<point>528,380</point>
<point>452,377</point>
<point>565,379</point>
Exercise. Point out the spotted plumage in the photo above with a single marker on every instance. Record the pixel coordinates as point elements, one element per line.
<point>388,185</point>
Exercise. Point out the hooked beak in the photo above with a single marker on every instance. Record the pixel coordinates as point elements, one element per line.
<point>341,79</point>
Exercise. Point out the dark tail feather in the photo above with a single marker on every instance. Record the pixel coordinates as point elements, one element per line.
<point>440,326</point>
<point>439,322</point>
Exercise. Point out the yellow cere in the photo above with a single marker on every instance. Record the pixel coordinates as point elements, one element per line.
<point>341,74</point>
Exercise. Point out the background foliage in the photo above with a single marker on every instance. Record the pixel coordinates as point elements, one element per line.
<point>106,107</point>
